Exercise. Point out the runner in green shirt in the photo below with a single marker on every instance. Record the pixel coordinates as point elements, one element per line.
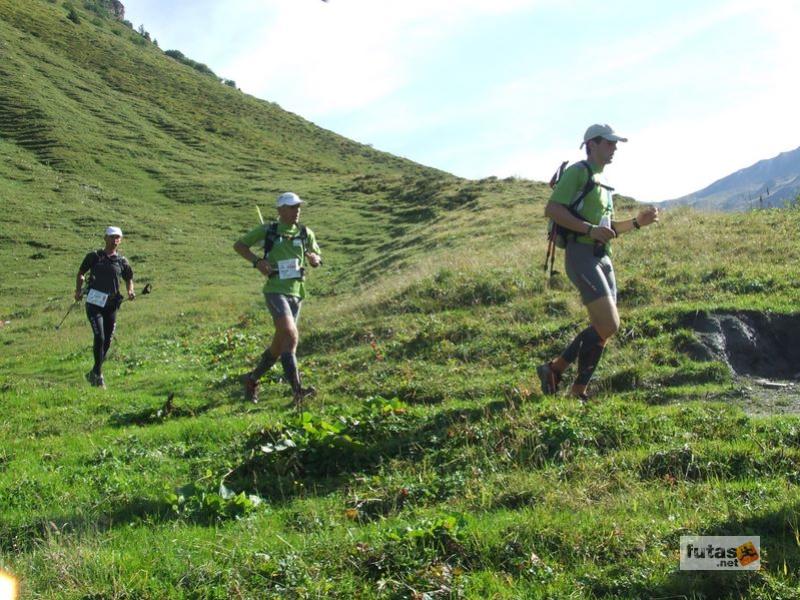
<point>290,246</point>
<point>592,226</point>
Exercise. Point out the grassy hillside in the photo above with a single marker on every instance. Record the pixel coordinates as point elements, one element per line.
<point>429,466</point>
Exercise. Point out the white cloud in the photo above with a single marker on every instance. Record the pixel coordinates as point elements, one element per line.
<point>673,86</point>
<point>725,115</point>
<point>318,59</point>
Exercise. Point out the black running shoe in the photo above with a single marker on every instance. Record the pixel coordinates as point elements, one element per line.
<point>95,380</point>
<point>548,378</point>
<point>250,388</point>
<point>301,395</point>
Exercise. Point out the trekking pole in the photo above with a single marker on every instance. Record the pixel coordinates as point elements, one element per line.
<point>148,287</point>
<point>69,310</point>
<point>145,290</point>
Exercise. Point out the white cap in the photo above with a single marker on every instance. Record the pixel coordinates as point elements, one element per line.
<point>288,199</point>
<point>114,231</point>
<point>603,131</point>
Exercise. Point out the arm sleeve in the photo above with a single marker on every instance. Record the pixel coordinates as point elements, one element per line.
<point>570,184</point>
<point>253,237</point>
<point>89,261</point>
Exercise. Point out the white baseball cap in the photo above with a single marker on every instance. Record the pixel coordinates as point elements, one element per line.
<point>603,131</point>
<point>114,231</point>
<point>288,199</point>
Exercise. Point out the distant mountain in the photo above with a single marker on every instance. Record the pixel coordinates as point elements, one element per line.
<point>766,184</point>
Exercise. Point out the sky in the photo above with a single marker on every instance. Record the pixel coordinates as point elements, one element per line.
<point>701,88</point>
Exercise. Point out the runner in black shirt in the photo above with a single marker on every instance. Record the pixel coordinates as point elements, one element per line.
<point>103,298</point>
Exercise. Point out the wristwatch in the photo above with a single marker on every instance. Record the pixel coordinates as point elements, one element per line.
<point>636,223</point>
<point>256,261</point>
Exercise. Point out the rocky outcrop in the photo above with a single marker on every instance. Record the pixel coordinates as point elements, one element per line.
<point>117,9</point>
<point>751,343</point>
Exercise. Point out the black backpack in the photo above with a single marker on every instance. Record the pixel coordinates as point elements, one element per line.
<point>271,236</point>
<point>557,235</point>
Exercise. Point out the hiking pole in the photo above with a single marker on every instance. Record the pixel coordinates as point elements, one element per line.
<point>148,287</point>
<point>260,217</point>
<point>145,290</point>
<point>69,310</point>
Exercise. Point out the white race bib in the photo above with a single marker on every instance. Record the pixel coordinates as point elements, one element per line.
<point>289,268</point>
<point>96,298</point>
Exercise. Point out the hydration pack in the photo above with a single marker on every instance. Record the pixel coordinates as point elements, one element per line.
<point>557,234</point>
<point>271,236</point>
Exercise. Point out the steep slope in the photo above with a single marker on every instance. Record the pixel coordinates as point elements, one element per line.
<point>770,183</point>
<point>98,122</point>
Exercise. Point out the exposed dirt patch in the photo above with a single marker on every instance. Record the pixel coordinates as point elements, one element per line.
<point>768,397</point>
<point>762,351</point>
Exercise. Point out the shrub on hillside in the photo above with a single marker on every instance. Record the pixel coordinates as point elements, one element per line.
<point>97,9</point>
<point>73,15</point>
<point>181,58</point>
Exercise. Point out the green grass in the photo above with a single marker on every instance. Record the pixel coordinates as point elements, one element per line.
<point>429,463</point>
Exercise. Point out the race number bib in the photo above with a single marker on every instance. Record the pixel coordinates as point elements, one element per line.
<point>289,269</point>
<point>96,298</point>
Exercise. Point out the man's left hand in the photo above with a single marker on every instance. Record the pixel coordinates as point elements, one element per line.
<point>131,295</point>
<point>647,216</point>
<point>314,259</point>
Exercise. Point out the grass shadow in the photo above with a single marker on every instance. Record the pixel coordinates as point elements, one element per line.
<point>25,537</point>
<point>153,416</point>
<point>316,457</point>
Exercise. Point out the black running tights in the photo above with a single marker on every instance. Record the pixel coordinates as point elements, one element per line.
<point>103,321</point>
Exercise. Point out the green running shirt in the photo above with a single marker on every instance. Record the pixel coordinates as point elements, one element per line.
<point>597,203</point>
<point>287,246</point>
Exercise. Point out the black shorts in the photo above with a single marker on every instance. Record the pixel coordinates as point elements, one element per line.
<point>592,275</point>
<point>281,304</point>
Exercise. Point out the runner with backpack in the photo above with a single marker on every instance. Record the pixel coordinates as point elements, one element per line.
<point>287,247</point>
<point>581,210</point>
<point>103,298</point>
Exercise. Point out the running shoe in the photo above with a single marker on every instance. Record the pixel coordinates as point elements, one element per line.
<point>548,378</point>
<point>301,395</point>
<point>250,388</point>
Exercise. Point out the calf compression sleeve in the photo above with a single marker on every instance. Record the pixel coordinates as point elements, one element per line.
<point>589,356</point>
<point>264,364</point>
<point>289,362</point>
<point>587,335</point>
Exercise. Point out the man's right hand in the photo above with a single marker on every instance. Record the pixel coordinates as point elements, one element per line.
<point>264,267</point>
<point>78,295</point>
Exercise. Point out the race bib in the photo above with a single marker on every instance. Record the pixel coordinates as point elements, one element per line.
<point>289,269</point>
<point>96,298</point>
<point>297,243</point>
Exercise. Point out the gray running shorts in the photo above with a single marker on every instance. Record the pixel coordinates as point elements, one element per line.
<point>281,304</point>
<point>592,275</point>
